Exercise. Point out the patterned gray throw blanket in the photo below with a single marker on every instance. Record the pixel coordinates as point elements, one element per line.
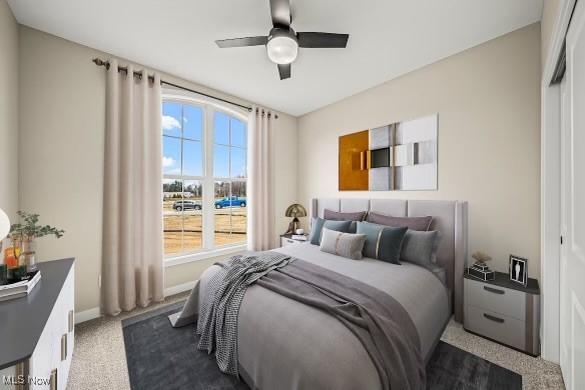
<point>379,321</point>
<point>218,314</point>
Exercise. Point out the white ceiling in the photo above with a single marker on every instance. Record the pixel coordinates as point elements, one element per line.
<point>388,38</point>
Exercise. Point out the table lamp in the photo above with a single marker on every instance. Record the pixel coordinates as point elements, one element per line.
<point>295,211</point>
<point>4,230</point>
<point>4,226</point>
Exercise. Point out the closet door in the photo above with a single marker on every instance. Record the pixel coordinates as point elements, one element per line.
<point>572,321</point>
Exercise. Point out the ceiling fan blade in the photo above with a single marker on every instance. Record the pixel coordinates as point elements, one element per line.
<point>280,13</point>
<point>284,71</point>
<point>241,42</point>
<point>322,40</point>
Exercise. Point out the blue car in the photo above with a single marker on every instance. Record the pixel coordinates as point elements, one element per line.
<point>230,202</point>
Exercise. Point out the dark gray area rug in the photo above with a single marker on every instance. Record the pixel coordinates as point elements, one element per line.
<point>161,357</point>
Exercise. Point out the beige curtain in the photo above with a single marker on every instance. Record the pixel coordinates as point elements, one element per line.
<point>132,265</point>
<point>260,181</point>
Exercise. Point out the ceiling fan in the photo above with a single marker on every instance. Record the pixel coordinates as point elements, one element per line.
<point>282,43</point>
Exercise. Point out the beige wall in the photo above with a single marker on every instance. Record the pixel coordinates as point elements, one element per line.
<point>8,111</point>
<point>550,13</point>
<point>488,102</point>
<point>61,156</point>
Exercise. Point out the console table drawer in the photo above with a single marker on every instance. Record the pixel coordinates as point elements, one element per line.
<point>501,300</point>
<point>496,326</point>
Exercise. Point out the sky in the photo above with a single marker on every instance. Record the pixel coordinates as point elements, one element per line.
<point>229,142</point>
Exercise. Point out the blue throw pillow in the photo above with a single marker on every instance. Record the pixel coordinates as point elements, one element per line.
<point>382,242</point>
<point>420,247</point>
<point>320,223</point>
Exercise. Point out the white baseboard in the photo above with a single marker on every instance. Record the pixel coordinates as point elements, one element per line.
<point>179,288</point>
<point>94,313</point>
<point>87,315</point>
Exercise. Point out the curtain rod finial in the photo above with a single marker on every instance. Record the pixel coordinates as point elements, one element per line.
<point>100,62</point>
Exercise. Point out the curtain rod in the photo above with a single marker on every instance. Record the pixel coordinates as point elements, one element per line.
<point>106,64</point>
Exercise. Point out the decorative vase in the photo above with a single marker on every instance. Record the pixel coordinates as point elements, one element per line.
<point>27,255</point>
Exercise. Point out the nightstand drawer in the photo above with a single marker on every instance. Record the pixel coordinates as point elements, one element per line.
<point>285,241</point>
<point>496,326</point>
<point>501,300</point>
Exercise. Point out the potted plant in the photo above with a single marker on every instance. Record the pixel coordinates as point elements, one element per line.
<point>23,237</point>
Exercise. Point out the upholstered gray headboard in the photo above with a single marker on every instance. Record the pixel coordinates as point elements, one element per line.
<point>449,217</point>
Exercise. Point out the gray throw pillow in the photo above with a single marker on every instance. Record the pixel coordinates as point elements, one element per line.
<point>382,242</point>
<point>413,223</point>
<point>331,215</point>
<point>318,225</point>
<point>342,244</point>
<point>420,247</point>
<point>337,216</point>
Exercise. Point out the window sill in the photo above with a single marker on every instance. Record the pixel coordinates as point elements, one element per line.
<point>184,259</point>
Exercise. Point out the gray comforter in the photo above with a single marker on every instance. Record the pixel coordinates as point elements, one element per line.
<point>277,335</point>
<point>218,314</point>
<point>375,318</point>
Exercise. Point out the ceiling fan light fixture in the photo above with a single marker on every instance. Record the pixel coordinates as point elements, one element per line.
<point>283,43</point>
<point>282,49</point>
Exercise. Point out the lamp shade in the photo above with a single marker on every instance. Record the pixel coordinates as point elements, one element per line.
<point>282,49</point>
<point>4,224</point>
<point>295,210</point>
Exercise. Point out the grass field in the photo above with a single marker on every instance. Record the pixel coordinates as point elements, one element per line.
<point>183,230</point>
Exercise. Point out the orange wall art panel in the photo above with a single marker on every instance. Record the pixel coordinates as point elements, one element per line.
<point>353,164</point>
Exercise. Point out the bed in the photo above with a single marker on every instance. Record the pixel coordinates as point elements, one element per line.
<point>284,344</point>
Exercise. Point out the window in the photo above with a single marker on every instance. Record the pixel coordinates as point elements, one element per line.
<point>229,174</point>
<point>204,177</point>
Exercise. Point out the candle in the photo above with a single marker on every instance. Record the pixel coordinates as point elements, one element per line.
<point>11,257</point>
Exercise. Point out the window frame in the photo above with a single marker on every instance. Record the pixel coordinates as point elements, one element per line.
<point>208,248</point>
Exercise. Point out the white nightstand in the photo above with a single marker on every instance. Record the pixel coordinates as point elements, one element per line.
<point>503,311</point>
<point>285,240</point>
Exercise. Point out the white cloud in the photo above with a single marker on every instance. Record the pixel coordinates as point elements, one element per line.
<point>170,123</point>
<point>168,162</point>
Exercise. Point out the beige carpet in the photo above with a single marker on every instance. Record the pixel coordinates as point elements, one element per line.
<point>99,359</point>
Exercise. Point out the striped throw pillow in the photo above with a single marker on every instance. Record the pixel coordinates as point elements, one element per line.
<point>342,244</point>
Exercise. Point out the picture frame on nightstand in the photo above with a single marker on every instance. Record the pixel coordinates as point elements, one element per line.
<point>518,270</point>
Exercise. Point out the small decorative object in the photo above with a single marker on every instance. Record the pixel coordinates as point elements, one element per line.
<point>11,254</point>
<point>300,232</point>
<point>295,211</point>
<point>481,258</point>
<point>23,236</point>
<point>480,268</point>
<point>483,274</point>
<point>519,270</point>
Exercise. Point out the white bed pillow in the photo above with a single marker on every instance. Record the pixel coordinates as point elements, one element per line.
<point>342,244</point>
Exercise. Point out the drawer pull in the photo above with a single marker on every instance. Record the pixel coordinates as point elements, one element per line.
<point>492,318</point>
<point>70,321</point>
<point>64,347</point>
<point>290,241</point>
<point>53,380</point>
<point>494,290</point>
